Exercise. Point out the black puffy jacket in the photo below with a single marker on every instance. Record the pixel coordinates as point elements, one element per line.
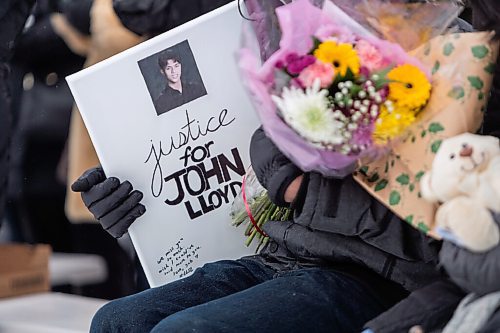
<point>337,221</point>
<point>432,306</point>
<point>474,272</point>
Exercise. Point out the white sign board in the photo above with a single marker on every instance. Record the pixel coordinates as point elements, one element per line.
<point>186,151</point>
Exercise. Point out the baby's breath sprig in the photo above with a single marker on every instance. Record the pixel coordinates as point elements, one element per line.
<point>356,104</point>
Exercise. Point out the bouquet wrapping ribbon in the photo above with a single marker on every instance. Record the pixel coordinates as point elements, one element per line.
<point>247,207</point>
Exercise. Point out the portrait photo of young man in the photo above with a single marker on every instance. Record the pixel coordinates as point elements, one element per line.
<point>172,77</point>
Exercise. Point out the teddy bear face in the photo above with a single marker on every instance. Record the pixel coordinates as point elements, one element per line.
<point>458,158</point>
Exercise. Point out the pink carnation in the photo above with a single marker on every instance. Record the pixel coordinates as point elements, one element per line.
<point>319,70</point>
<point>369,55</point>
<point>296,64</point>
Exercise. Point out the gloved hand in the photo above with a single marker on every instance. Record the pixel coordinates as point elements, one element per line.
<point>115,205</point>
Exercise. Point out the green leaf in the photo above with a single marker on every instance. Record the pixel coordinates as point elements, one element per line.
<point>419,175</point>
<point>381,185</point>
<point>403,179</point>
<point>490,69</point>
<point>411,187</point>
<point>354,90</point>
<point>435,146</point>
<point>383,72</point>
<point>364,170</point>
<point>374,178</point>
<point>480,51</point>
<point>423,134</point>
<point>349,75</point>
<point>381,79</point>
<point>476,82</point>
<point>394,198</point>
<point>436,67</point>
<point>316,43</point>
<point>409,219</point>
<point>457,92</point>
<point>480,96</point>
<point>436,128</point>
<point>448,49</point>
<point>423,227</point>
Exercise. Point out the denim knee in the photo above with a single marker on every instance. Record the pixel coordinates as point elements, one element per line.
<point>115,317</point>
<point>187,321</point>
<point>102,319</point>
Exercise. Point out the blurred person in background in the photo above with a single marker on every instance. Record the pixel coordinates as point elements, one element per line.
<point>152,17</point>
<point>54,44</point>
<point>42,105</point>
<point>13,15</point>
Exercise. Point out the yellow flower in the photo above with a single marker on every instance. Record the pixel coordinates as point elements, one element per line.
<point>409,87</point>
<point>342,56</point>
<point>390,125</point>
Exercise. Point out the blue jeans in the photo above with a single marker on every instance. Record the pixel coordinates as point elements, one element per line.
<point>245,296</point>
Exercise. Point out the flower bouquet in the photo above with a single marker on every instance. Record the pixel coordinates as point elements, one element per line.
<point>347,97</point>
<point>335,94</point>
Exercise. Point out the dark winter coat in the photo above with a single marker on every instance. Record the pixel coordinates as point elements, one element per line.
<point>156,16</point>
<point>13,14</point>
<point>474,272</point>
<point>337,221</point>
<point>432,307</point>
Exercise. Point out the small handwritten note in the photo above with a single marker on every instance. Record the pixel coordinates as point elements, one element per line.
<point>178,260</point>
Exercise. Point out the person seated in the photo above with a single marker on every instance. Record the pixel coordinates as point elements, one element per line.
<point>342,260</point>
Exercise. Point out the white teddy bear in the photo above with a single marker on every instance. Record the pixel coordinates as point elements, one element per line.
<point>465,177</point>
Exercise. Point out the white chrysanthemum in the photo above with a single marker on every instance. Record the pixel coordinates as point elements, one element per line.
<point>309,115</point>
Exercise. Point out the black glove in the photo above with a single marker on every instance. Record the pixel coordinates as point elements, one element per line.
<point>113,204</point>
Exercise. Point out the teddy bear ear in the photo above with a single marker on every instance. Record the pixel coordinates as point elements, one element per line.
<point>426,188</point>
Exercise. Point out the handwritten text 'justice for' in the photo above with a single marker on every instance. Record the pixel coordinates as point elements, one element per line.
<point>200,165</point>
